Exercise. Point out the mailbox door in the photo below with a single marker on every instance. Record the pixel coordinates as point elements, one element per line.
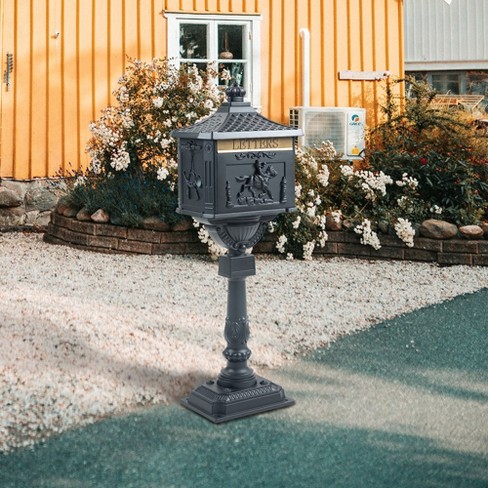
<point>256,176</point>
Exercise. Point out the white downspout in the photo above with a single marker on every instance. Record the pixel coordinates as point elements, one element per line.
<point>305,35</point>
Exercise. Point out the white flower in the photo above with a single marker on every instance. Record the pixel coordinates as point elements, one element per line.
<point>296,224</point>
<point>298,190</point>
<point>311,209</point>
<point>165,143</point>
<point>336,216</point>
<point>409,181</point>
<point>435,209</point>
<point>347,170</point>
<point>158,102</point>
<point>323,238</point>
<point>404,230</point>
<point>80,180</point>
<point>308,250</point>
<point>272,227</point>
<point>280,244</point>
<point>120,160</point>
<point>372,183</point>
<point>162,174</point>
<point>369,237</point>
<point>323,176</point>
<point>208,104</point>
<point>289,257</point>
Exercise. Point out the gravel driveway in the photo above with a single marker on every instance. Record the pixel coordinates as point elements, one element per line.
<point>86,335</point>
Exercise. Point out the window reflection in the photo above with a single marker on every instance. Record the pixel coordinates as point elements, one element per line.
<point>193,41</point>
<point>230,43</point>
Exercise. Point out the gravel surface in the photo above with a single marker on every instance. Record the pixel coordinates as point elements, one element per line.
<point>86,335</point>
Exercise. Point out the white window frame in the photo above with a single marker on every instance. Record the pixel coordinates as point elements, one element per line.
<point>252,44</point>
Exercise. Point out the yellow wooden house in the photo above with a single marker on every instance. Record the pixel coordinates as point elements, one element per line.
<point>61,60</point>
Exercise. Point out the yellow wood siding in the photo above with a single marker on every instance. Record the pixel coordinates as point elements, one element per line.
<point>61,81</point>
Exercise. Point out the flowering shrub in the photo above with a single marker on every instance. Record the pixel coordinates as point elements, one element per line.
<point>133,168</point>
<point>329,190</point>
<point>421,163</point>
<point>440,149</point>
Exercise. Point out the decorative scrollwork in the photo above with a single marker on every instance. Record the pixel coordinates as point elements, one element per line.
<point>240,244</point>
<point>192,180</point>
<point>237,331</point>
<point>255,155</point>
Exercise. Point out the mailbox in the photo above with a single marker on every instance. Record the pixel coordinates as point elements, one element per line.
<point>236,163</point>
<point>236,172</point>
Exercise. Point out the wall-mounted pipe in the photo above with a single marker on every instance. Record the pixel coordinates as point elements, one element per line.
<point>305,35</point>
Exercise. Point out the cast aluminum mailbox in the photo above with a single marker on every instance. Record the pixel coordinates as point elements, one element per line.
<point>236,163</point>
<point>236,173</point>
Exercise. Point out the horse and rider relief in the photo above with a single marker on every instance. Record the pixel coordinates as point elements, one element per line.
<point>255,188</point>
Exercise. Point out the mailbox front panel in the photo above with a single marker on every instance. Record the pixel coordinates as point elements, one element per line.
<point>257,175</point>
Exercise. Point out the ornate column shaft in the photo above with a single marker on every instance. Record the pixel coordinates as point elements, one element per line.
<point>237,374</point>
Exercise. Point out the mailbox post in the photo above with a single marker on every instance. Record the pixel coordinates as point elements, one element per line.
<point>236,173</point>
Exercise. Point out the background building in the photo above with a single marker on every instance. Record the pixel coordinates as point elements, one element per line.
<point>65,57</point>
<point>447,44</point>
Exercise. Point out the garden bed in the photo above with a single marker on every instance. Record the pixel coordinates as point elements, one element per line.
<point>182,239</point>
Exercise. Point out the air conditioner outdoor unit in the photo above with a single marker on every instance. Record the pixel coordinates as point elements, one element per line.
<point>343,126</point>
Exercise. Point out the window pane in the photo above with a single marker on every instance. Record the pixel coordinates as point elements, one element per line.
<point>235,72</point>
<point>453,84</point>
<point>193,41</point>
<point>438,83</point>
<point>230,39</point>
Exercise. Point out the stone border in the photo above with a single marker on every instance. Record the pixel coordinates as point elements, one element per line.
<point>444,252</point>
<point>116,239</point>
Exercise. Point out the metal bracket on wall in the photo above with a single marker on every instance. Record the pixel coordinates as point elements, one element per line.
<point>8,70</point>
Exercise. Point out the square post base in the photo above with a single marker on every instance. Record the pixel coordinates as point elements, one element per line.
<point>219,404</point>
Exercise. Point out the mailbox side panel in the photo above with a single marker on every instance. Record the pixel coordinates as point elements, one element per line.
<point>195,190</point>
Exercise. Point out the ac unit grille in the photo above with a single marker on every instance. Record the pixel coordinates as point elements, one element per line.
<point>344,127</point>
<point>324,126</point>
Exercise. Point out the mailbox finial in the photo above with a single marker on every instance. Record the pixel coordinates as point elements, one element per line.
<point>235,93</point>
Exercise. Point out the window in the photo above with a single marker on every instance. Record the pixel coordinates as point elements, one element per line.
<point>231,41</point>
<point>450,83</point>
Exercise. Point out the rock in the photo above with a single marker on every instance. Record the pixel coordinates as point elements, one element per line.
<point>83,215</point>
<point>384,227</point>
<point>349,224</point>
<point>42,220</point>
<point>70,211</point>
<point>438,229</point>
<point>484,226</point>
<point>62,205</point>
<point>471,231</point>
<point>101,216</point>
<point>20,188</point>
<point>333,222</point>
<point>9,198</point>
<point>31,217</point>
<point>40,199</point>
<point>12,217</point>
<point>155,223</point>
<point>183,225</point>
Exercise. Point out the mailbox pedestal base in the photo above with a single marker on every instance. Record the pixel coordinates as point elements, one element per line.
<point>219,404</point>
<point>238,391</point>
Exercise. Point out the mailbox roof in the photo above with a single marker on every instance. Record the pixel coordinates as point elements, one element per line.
<point>235,120</point>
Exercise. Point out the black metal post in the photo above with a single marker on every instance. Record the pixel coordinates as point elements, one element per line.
<point>237,374</point>
<point>238,391</point>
